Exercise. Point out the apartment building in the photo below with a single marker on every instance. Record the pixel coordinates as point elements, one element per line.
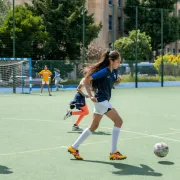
<point>174,48</point>
<point>113,24</point>
<point>20,2</point>
<point>110,13</point>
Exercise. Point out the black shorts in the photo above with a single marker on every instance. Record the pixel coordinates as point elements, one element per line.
<point>78,101</point>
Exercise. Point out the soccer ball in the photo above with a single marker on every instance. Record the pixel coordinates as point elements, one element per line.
<point>161,149</point>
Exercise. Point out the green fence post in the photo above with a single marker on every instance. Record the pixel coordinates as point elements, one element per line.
<point>14,50</point>
<point>136,60</point>
<point>162,51</point>
<point>113,26</point>
<point>83,50</point>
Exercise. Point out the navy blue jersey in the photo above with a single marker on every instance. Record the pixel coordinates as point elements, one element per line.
<point>78,101</point>
<point>104,81</point>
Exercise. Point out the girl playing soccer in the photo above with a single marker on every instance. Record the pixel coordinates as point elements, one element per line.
<point>104,76</point>
<point>57,79</point>
<point>45,74</point>
<point>80,103</point>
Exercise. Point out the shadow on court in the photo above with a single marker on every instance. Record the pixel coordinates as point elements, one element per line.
<point>166,162</point>
<point>5,170</point>
<point>126,169</point>
<point>94,133</point>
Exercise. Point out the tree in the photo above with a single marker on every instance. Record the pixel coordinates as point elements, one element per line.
<point>30,34</point>
<point>63,20</point>
<point>149,20</point>
<point>94,52</point>
<point>127,47</point>
<point>5,7</point>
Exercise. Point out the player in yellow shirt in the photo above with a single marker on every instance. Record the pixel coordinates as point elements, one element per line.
<point>45,73</point>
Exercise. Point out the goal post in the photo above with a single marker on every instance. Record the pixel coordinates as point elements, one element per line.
<point>16,75</point>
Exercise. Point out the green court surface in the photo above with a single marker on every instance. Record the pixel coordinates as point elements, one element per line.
<point>34,137</point>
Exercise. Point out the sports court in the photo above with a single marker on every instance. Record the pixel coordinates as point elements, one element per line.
<point>34,137</point>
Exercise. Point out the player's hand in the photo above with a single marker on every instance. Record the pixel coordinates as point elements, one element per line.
<point>119,78</point>
<point>86,96</point>
<point>93,99</point>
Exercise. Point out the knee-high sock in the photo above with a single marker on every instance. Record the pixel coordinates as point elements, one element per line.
<point>115,136</point>
<point>81,138</point>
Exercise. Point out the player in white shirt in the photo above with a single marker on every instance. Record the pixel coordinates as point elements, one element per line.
<point>57,79</point>
<point>79,103</point>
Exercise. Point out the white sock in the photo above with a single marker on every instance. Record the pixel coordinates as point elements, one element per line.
<point>115,136</point>
<point>81,138</point>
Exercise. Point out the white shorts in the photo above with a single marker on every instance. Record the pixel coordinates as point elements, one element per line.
<point>102,107</point>
<point>45,82</point>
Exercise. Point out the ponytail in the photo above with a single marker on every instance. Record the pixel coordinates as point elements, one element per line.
<point>102,63</point>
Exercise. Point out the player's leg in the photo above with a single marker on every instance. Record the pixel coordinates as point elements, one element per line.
<point>83,112</point>
<point>87,132</point>
<point>42,86</point>
<point>56,84</point>
<point>60,83</point>
<point>69,111</point>
<point>48,88</point>
<point>114,116</point>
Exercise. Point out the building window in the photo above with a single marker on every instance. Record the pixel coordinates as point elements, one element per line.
<point>110,2</point>
<point>168,50</point>
<point>119,24</point>
<point>174,51</point>
<point>179,51</point>
<point>178,12</point>
<point>119,3</point>
<point>110,22</point>
<point>110,45</point>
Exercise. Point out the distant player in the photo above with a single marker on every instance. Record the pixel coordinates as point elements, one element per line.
<point>57,79</point>
<point>103,75</point>
<point>45,74</point>
<point>79,103</point>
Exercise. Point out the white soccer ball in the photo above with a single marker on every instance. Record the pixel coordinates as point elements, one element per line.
<point>161,149</point>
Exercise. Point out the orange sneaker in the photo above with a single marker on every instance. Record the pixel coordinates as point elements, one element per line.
<point>75,153</point>
<point>117,156</point>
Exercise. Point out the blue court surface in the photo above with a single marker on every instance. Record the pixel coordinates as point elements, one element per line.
<point>72,87</point>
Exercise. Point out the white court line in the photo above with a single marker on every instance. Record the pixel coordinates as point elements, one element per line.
<point>85,144</point>
<point>143,134</point>
<point>175,129</point>
<point>156,114</point>
<point>60,147</point>
<point>32,151</point>
<point>149,135</point>
<point>44,120</point>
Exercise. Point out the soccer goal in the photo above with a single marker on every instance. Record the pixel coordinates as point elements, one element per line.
<point>15,75</point>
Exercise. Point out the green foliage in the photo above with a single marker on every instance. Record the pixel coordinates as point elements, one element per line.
<point>5,7</point>
<point>29,34</point>
<point>64,21</point>
<point>127,78</point>
<point>171,64</point>
<point>149,20</point>
<point>127,47</point>
<point>156,78</point>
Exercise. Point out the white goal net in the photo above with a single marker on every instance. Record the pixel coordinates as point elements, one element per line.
<point>15,75</point>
